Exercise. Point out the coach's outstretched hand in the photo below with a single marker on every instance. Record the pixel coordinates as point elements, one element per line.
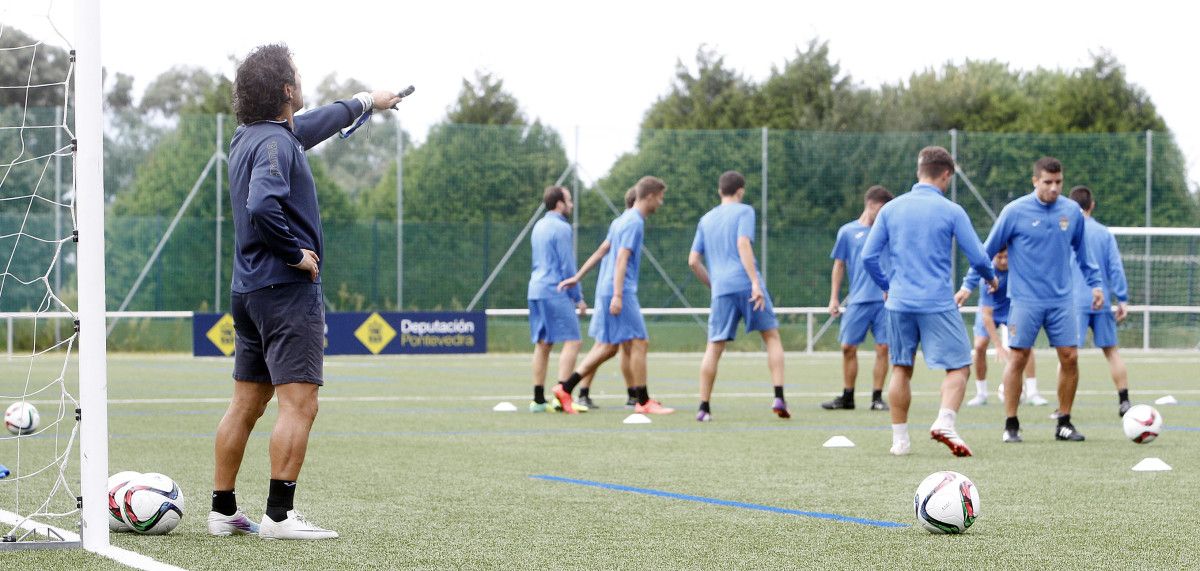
<point>384,99</point>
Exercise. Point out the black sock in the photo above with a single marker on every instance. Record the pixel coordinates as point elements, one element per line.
<point>643,395</point>
<point>848,394</point>
<point>877,395</point>
<point>224,502</point>
<point>1011,423</point>
<point>1064,420</point>
<point>632,392</point>
<point>1122,395</point>
<point>704,406</point>
<point>569,384</point>
<point>583,393</point>
<point>279,499</point>
<point>539,394</point>
<point>779,392</point>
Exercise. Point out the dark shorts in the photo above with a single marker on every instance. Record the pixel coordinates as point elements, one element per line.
<point>280,334</point>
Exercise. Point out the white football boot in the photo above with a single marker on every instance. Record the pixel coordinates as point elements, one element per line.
<point>222,525</point>
<point>294,527</point>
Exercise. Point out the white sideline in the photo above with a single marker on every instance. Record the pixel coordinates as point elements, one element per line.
<point>122,556</point>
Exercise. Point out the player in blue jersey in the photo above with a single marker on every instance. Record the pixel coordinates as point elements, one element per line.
<point>276,299</point>
<point>1041,231</point>
<point>552,312</point>
<point>1102,246</point>
<point>618,315</point>
<point>917,230</point>
<point>722,258</point>
<point>991,326</point>
<point>864,304</point>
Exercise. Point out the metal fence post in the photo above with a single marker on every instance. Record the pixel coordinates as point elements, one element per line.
<point>399,216</point>
<point>763,207</point>
<point>954,199</point>
<point>217,263</point>
<point>1149,223</point>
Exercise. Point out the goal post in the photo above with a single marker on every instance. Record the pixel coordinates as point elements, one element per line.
<point>89,200</point>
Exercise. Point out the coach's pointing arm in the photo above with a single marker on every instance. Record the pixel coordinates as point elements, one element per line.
<point>323,122</point>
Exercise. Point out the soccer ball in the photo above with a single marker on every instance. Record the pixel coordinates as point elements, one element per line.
<point>116,482</point>
<point>946,502</point>
<point>22,418</point>
<point>151,504</point>
<point>1142,423</point>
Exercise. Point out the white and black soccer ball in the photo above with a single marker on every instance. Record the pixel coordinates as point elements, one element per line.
<point>946,502</point>
<point>115,483</point>
<point>1142,423</point>
<point>151,504</point>
<point>22,418</point>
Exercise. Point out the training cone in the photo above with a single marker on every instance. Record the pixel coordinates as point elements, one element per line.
<point>838,441</point>
<point>1151,465</point>
<point>636,418</point>
<point>1166,400</point>
<point>505,407</point>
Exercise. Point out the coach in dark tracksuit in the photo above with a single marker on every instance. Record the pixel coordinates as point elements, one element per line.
<point>277,306</point>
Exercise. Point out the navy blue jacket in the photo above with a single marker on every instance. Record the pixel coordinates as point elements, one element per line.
<point>273,197</point>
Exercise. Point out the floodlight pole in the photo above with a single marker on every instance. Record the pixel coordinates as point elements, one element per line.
<point>89,201</point>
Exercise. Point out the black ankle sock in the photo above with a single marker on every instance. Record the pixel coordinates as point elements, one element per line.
<point>583,393</point>
<point>778,392</point>
<point>279,499</point>
<point>224,502</point>
<point>1011,423</point>
<point>848,394</point>
<point>569,384</point>
<point>877,395</point>
<point>704,406</point>
<point>1064,420</point>
<point>632,392</point>
<point>1122,395</point>
<point>643,395</point>
<point>539,394</point>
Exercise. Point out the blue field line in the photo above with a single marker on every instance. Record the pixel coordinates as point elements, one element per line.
<point>719,502</point>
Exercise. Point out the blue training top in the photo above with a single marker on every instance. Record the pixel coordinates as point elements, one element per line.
<point>998,301</point>
<point>624,232</point>
<point>717,237</point>
<point>1040,238</point>
<point>1102,247</point>
<point>851,238</point>
<point>916,230</point>
<point>274,198</point>
<point>553,258</point>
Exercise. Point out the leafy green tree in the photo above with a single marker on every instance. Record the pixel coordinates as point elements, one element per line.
<point>715,97</point>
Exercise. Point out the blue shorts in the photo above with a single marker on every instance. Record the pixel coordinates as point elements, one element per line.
<point>942,337</point>
<point>1103,324</point>
<point>861,317</point>
<point>553,320</point>
<point>730,308</point>
<point>980,330</point>
<point>1062,328</point>
<point>617,329</point>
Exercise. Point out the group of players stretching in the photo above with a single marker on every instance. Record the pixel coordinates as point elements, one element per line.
<point>1046,265</point>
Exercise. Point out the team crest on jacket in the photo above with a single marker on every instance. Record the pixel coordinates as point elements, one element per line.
<point>1063,223</point>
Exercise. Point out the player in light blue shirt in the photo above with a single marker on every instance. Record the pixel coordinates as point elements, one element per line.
<point>917,230</point>
<point>1102,246</point>
<point>616,292</point>
<point>1041,230</point>
<point>552,313</point>
<point>864,304</point>
<point>722,258</point>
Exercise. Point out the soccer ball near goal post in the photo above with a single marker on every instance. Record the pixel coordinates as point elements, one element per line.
<point>22,418</point>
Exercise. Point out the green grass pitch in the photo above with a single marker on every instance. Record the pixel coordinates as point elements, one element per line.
<point>408,462</point>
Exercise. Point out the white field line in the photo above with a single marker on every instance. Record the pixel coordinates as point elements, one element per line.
<point>122,556</point>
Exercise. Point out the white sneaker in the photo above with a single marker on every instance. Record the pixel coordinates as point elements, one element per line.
<point>1036,399</point>
<point>900,448</point>
<point>294,527</point>
<point>979,400</point>
<point>222,525</point>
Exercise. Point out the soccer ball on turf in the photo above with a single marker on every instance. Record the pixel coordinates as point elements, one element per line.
<point>151,503</point>
<point>946,502</point>
<point>115,483</point>
<point>1142,423</point>
<point>22,418</point>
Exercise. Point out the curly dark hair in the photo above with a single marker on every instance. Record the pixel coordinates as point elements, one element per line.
<point>258,85</point>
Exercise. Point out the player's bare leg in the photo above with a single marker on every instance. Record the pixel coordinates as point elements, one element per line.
<point>878,374</point>
<point>1120,376</point>
<point>567,358</point>
<point>944,429</point>
<point>249,401</point>
<point>599,353</point>
<point>708,376</point>
<point>637,363</point>
<point>979,356</point>
<point>1012,391</point>
<point>627,374</point>
<point>900,395</point>
<point>849,378</point>
<point>774,346</point>
<point>1068,382</point>
<point>541,360</point>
